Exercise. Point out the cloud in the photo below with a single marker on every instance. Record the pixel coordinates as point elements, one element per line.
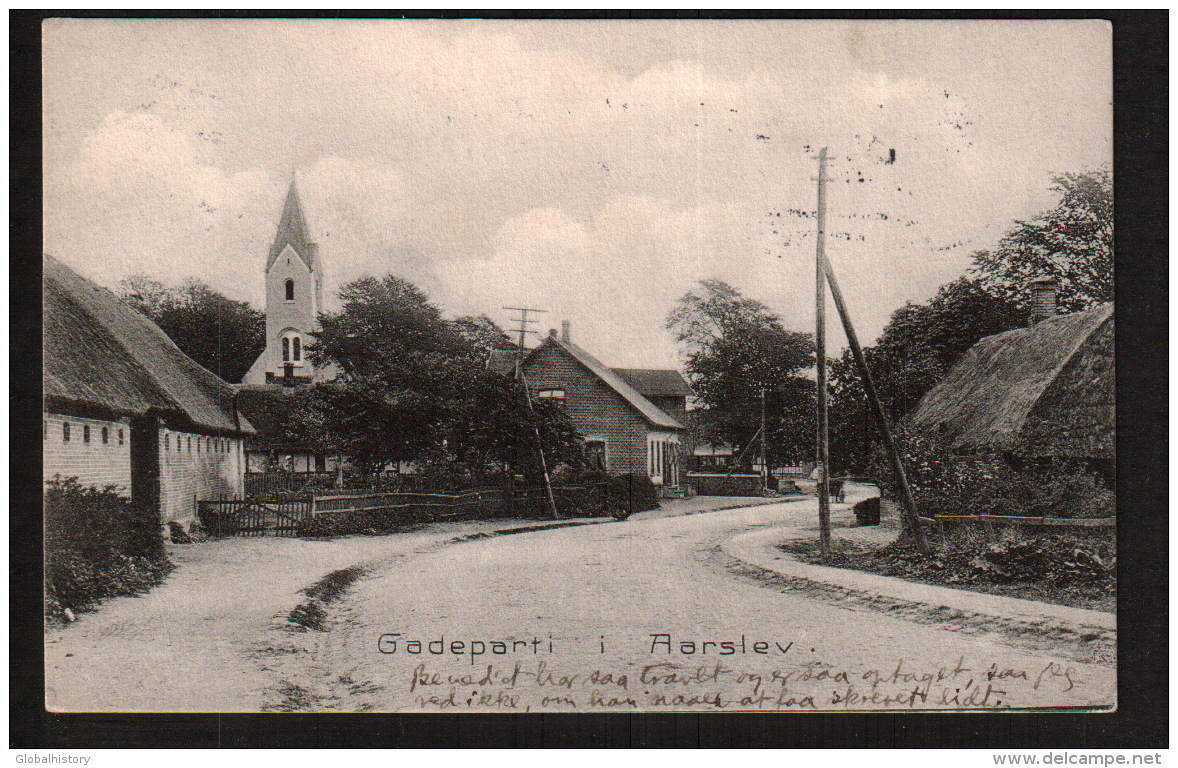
<point>594,169</point>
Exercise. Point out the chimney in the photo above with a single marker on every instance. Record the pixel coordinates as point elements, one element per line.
<point>564,332</point>
<point>1043,298</point>
<point>552,332</point>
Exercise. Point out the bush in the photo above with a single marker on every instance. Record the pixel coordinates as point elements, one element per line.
<point>97,545</point>
<point>945,483</point>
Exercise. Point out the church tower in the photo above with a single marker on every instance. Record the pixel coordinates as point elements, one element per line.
<point>294,299</point>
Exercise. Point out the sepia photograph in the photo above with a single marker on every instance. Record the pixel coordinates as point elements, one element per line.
<point>502,366</point>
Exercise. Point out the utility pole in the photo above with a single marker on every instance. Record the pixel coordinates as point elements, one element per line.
<point>764,455</point>
<point>823,437</point>
<point>908,504</point>
<point>519,374</point>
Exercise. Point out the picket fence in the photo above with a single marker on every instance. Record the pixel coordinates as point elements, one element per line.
<point>288,517</point>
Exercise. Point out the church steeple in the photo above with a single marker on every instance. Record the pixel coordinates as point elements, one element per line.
<point>292,231</point>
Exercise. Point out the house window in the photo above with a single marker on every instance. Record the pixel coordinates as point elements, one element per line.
<point>595,454</point>
<point>85,433</point>
<point>554,395</point>
<point>285,349</point>
<point>105,436</point>
<point>167,442</point>
<point>120,437</point>
<point>190,444</point>
<point>65,431</point>
<point>289,289</point>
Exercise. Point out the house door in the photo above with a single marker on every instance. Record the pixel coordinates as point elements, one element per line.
<point>145,464</point>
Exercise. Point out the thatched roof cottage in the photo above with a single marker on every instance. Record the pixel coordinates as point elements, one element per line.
<point>1043,391</point>
<point>125,407</point>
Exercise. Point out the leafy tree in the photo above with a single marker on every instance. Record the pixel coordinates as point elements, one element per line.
<point>735,347</point>
<point>413,386</point>
<point>918,346</point>
<point>1073,243</point>
<point>401,366</point>
<point>223,335</point>
<point>483,333</point>
<point>495,431</point>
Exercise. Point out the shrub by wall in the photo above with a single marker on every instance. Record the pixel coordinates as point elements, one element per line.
<point>97,545</point>
<point>945,483</point>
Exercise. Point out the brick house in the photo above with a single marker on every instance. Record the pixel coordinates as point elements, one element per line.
<point>631,419</point>
<point>125,407</point>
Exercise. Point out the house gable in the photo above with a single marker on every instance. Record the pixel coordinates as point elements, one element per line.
<point>593,407</point>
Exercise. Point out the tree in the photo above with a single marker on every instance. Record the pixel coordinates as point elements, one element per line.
<point>1073,243</point>
<point>484,334</point>
<point>735,347</point>
<point>413,386</point>
<point>401,365</point>
<point>223,335</point>
<point>918,346</point>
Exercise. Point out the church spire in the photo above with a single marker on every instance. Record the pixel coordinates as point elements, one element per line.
<point>292,230</point>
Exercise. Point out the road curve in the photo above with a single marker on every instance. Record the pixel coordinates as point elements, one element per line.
<point>644,615</point>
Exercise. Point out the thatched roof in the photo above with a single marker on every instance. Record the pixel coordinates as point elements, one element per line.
<point>1046,390</point>
<point>655,382</point>
<point>101,354</point>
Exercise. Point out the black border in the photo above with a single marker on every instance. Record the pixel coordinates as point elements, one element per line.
<point>1141,86</point>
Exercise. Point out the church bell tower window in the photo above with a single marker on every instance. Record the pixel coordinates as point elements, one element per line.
<point>289,289</point>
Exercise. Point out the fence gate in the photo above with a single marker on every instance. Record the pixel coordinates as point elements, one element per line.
<point>253,518</point>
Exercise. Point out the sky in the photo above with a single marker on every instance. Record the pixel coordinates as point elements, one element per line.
<point>595,170</point>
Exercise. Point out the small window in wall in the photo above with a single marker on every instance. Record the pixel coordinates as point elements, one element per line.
<point>285,349</point>
<point>105,435</point>
<point>298,349</point>
<point>289,289</point>
<point>167,442</point>
<point>190,445</point>
<point>595,454</point>
<point>552,395</point>
<point>65,431</point>
<point>120,437</point>
<point>85,433</point>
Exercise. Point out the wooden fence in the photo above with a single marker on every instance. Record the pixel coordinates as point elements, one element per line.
<point>252,517</point>
<point>288,517</point>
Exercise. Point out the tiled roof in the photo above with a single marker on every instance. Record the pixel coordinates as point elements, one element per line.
<point>100,352</point>
<point>654,382</point>
<point>502,361</point>
<point>652,413</point>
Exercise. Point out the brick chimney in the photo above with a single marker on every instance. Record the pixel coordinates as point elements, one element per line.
<point>1043,298</point>
<point>565,335</point>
